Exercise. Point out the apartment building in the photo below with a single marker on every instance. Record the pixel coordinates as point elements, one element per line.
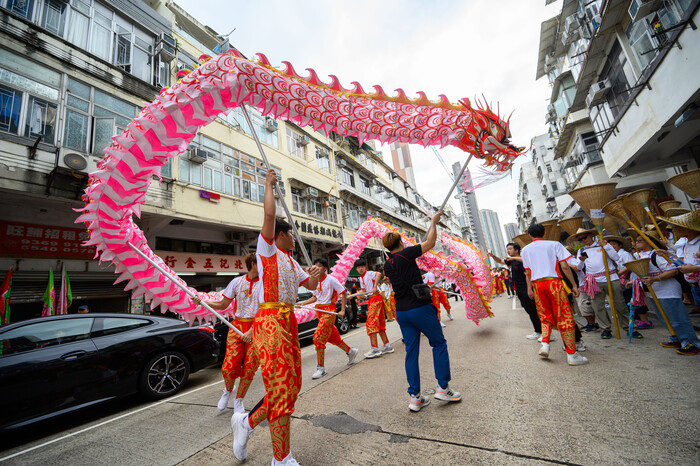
<point>624,91</point>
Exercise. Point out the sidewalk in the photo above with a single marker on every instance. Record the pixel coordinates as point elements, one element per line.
<point>634,403</point>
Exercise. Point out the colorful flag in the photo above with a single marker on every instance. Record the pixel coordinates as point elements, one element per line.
<point>65,297</point>
<point>5,298</point>
<point>49,297</point>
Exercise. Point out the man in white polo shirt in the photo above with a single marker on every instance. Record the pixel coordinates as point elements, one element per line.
<point>544,285</point>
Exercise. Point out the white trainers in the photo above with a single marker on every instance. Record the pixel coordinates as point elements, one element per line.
<point>238,405</point>
<point>576,359</point>
<point>446,394</point>
<point>373,353</point>
<point>388,349</point>
<point>442,325</point>
<point>320,372</point>
<point>418,402</point>
<point>449,316</point>
<point>535,336</point>
<point>544,350</point>
<point>288,461</point>
<point>241,433</point>
<point>352,354</point>
<point>223,401</point>
<point>580,346</point>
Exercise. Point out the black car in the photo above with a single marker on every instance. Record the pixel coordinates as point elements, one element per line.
<point>54,365</point>
<point>307,329</point>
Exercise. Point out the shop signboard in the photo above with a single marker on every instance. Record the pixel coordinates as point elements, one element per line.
<point>197,262</point>
<point>320,231</point>
<point>18,239</point>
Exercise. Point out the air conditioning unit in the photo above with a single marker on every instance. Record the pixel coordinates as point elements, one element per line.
<point>332,199</point>
<point>235,236</point>
<point>571,24</point>
<point>196,155</point>
<point>640,8</point>
<point>309,192</point>
<point>79,163</point>
<point>342,162</point>
<point>271,124</point>
<point>302,139</point>
<point>165,47</point>
<point>597,92</point>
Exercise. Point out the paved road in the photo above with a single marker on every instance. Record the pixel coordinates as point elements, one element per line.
<point>633,403</point>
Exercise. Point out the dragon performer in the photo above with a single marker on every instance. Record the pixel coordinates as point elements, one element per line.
<point>164,128</point>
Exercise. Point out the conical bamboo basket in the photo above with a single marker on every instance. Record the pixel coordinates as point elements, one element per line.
<point>637,212</point>
<point>639,267</point>
<point>570,225</point>
<point>668,205</point>
<point>674,212</point>
<point>593,198</point>
<point>617,209</point>
<point>523,240</point>
<point>611,225</point>
<point>548,225</point>
<point>555,233</point>
<point>642,196</point>
<point>688,182</point>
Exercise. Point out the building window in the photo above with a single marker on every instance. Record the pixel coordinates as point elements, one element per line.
<point>364,185</point>
<point>331,213</point>
<point>295,143</point>
<point>347,176</point>
<point>53,16</point>
<point>323,159</point>
<point>10,103</point>
<point>549,167</point>
<point>555,188</point>
<point>23,8</point>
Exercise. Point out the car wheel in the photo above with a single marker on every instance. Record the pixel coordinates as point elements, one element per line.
<point>164,375</point>
<point>342,324</point>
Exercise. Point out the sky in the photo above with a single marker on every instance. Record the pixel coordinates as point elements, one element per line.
<point>457,48</point>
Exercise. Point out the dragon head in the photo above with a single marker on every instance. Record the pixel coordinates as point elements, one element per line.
<point>488,137</point>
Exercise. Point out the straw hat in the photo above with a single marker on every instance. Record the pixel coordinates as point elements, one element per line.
<point>664,206</point>
<point>690,220</point>
<point>626,243</point>
<point>675,212</point>
<point>582,231</point>
<point>652,235</point>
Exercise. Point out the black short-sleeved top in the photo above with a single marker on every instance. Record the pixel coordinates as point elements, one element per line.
<point>518,271</point>
<point>403,272</point>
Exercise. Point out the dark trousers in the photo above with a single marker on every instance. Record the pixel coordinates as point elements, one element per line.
<point>509,287</point>
<point>412,323</point>
<point>531,309</point>
<point>353,315</point>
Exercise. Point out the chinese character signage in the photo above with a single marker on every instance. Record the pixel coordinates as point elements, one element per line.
<point>319,230</point>
<point>19,239</point>
<point>195,262</point>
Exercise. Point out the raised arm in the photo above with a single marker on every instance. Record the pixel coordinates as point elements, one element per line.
<point>431,237</point>
<point>268,228</point>
<point>497,259</point>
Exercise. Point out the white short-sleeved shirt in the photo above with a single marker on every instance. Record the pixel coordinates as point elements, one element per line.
<point>368,280</point>
<point>579,268</point>
<point>594,263</point>
<point>281,274</point>
<point>328,290</point>
<point>429,278</point>
<point>624,258</point>
<point>687,255</point>
<point>541,258</point>
<point>664,289</point>
<point>245,291</point>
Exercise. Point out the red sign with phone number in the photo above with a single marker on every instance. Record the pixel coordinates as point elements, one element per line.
<point>28,240</point>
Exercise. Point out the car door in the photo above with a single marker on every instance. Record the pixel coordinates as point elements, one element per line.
<point>46,367</point>
<point>123,343</point>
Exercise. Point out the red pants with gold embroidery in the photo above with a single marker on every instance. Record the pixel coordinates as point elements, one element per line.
<point>555,311</point>
<point>326,332</point>
<point>390,305</point>
<point>276,340</point>
<point>376,322</point>
<point>241,359</point>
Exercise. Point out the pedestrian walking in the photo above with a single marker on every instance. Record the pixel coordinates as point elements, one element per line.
<point>416,314</point>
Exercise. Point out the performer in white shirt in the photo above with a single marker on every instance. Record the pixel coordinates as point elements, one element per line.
<point>376,321</point>
<point>626,277</point>
<point>545,286</point>
<point>241,359</point>
<point>325,296</point>
<point>595,282</point>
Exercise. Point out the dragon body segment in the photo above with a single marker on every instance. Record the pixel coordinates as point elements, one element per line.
<point>164,128</point>
<point>470,255</point>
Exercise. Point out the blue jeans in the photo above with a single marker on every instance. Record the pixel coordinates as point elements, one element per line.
<point>695,291</point>
<point>414,322</point>
<point>678,317</point>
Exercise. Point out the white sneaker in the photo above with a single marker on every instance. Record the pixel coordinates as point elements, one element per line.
<point>576,359</point>
<point>238,405</point>
<point>544,350</point>
<point>449,316</point>
<point>288,461</point>
<point>373,353</point>
<point>442,325</point>
<point>320,372</point>
<point>580,346</point>
<point>388,349</point>
<point>223,401</point>
<point>241,433</point>
<point>446,394</point>
<point>535,336</point>
<point>351,356</point>
<point>418,402</point>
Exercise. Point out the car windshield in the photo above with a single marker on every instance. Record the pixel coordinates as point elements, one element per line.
<point>43,334</point>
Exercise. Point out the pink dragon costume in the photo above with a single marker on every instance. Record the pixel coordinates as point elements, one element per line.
<point>164,128</point>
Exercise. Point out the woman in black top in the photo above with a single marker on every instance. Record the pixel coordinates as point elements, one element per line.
<point>416,314</point>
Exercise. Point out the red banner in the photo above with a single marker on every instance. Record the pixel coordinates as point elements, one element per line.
<point>19,239</point>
